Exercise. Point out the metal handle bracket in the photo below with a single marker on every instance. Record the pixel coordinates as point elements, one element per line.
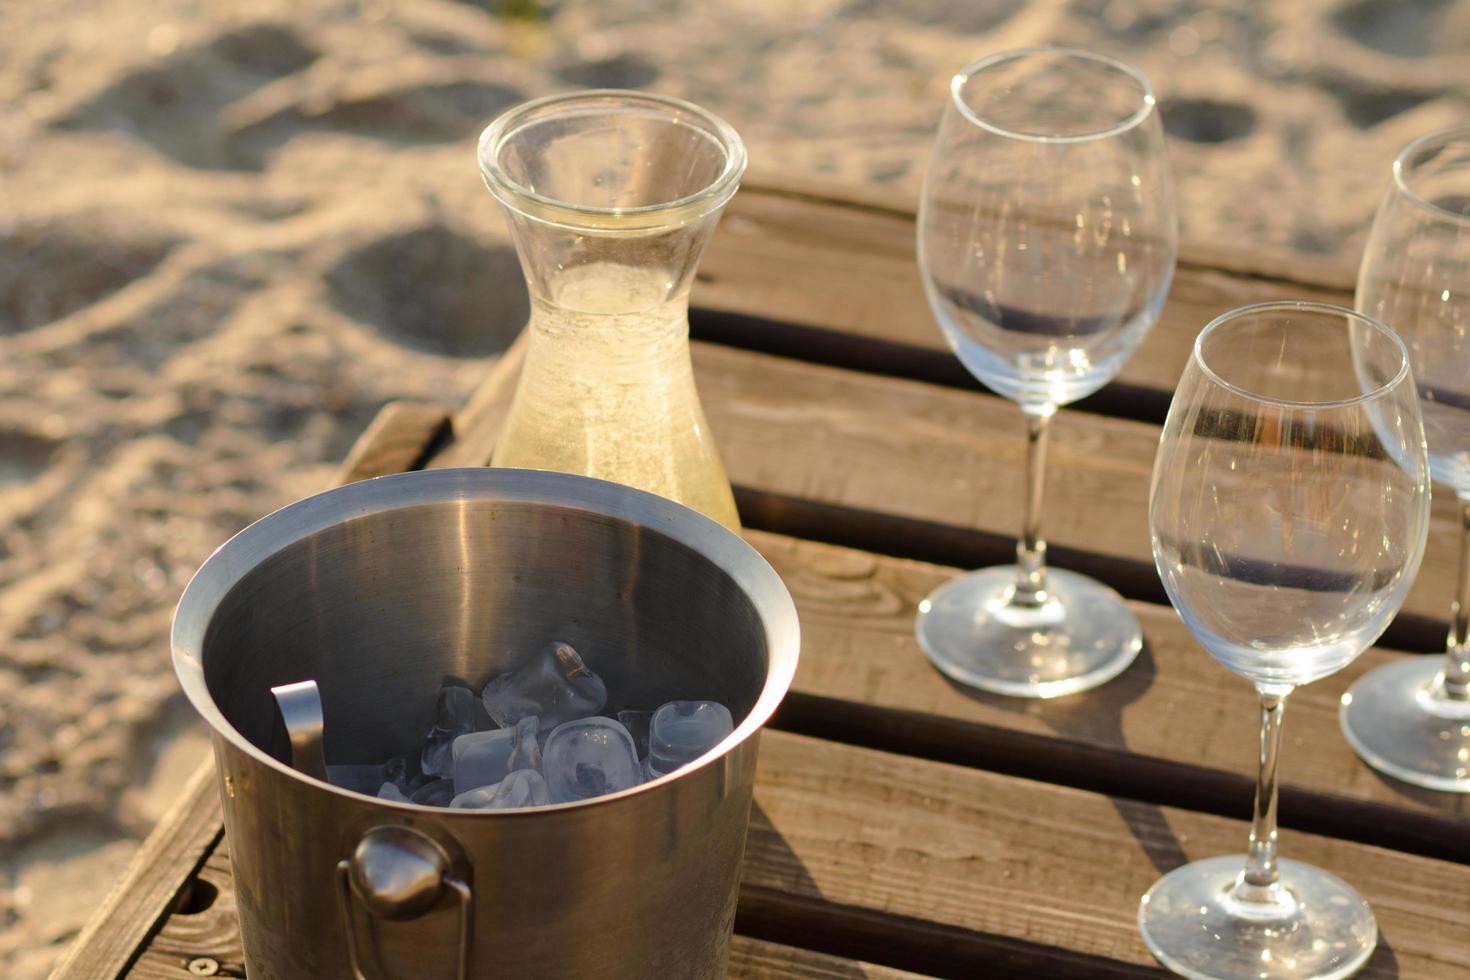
<point>399,874</point>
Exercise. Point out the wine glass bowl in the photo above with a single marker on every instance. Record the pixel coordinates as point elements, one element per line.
<point>1047,230</point>
<point>1288,514</point>
<point>1293,559</point>
<point>1411,719</point>
<point>1047,239</point>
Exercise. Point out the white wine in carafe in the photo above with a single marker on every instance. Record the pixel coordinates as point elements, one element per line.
<point>607,390</point>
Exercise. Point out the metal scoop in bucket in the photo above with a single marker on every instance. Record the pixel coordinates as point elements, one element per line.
<point>300,705</point>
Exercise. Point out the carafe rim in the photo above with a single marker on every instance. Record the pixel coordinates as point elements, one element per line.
<point>554,210</point>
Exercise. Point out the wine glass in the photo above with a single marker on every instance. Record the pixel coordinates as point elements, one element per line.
<point>1047,239</point>
<point>1289,510</point>
<point>1411,719</point>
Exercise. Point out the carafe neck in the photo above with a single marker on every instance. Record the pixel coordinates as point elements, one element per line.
<point>607,271</point>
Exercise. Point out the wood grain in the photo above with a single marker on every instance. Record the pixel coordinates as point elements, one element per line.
<point>825,453</point>
<point>1175,728</point>
<point>755,959</point>
<point>839,283</point>
<point>1239,258</point>
<point>396,439</point>
<point>204,927</point>
<point>877,857</point>
<point>1023,878</point>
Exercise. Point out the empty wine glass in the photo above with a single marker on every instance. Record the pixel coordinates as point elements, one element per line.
<point>1289,509</point>
<point>1411,719</point>
<point>1047,238</point>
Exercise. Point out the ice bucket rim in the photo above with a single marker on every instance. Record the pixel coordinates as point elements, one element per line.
<point>248,548</point>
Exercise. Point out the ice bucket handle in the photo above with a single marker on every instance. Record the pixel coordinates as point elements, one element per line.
<point>399,874</point>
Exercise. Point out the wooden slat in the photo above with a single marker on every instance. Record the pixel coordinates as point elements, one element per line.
<point>394,441</point>
<point>402,434</point>
<point>1241,258</point>
<point>949,870</point>
<point>756,959</point>
<point>203,929</point>
<point>847,278</point>
<point>1018,878</point>
<point>1175,728</point>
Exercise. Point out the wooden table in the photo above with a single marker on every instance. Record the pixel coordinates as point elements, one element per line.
<point>902,826</point>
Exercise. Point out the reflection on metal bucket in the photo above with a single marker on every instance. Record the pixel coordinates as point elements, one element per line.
<point>379,591</point>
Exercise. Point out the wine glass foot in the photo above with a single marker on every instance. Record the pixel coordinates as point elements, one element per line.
<point>1193,925</point>
<point>1082,636</point>
<point>1396,726</point>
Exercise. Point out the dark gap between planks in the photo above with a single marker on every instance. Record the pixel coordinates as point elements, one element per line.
<point>871,355</point>
<point>1118,774</point>
<point>917,945</point>
<point>968,548</point>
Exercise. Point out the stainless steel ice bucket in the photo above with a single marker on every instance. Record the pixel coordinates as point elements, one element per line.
<point>380,590</point>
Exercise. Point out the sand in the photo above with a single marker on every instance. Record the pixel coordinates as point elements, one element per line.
<point>230,232</point>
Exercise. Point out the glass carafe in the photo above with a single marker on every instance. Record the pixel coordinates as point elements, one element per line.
<point>611,197</point>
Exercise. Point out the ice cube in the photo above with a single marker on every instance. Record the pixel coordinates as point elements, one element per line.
<point>390,791</point>
<point>636,722</point>
<point>682,731</point>
<point>481,758</point>
<point>436,792</point>
<point>523,787</point>
<point>476,799</point>
<point>588,757</point>
<point>554,685</point>
<point>527,751</point>
<point>457,712</point>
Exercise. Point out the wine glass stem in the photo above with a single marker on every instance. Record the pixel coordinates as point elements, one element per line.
<point>1030,589</point>
<point>1455,685</point>
<point>1259,882</point>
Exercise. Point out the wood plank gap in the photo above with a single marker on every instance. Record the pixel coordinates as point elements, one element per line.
<point>1040,863</point>
<point>898,536</point>
<point>1105,770</point>
<point>872,355</point>
<point>914,944</point>
<point>958,547</point>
